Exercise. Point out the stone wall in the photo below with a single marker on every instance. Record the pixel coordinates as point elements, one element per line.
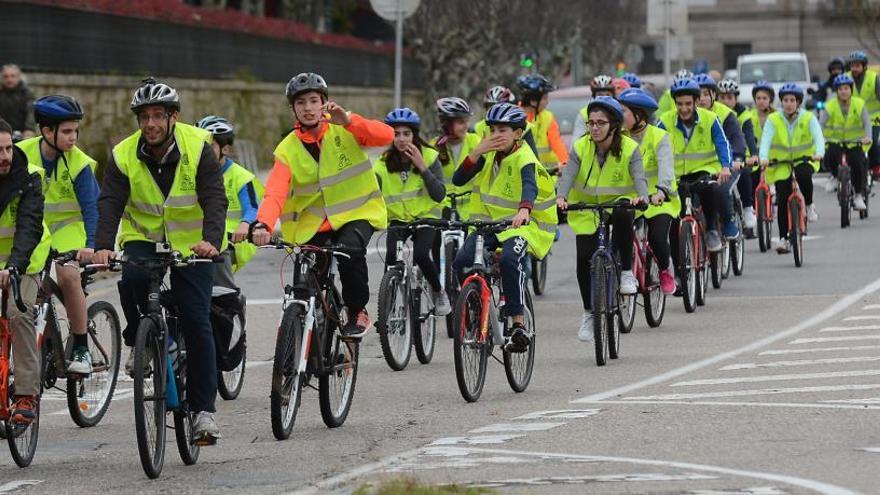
<point>258,110</point>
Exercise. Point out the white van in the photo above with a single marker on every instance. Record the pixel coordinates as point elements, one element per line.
<point>776,68</point>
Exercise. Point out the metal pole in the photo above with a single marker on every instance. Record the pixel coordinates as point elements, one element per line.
<point>667,62</point>
<point>398,55</point>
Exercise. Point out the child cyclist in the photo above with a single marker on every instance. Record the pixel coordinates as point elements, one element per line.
<point>728,93</point>
<point>604,165</point>
<point>509,184</point>
<point>454,145</point>
<point>411,179</point>
<point>846,118</point>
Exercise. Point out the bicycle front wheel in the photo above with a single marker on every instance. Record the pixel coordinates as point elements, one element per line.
<point>393,321</point>
<point>22,440</point>
<point>599,279</point>
<point>654,299</point>
<point>470,349</point>
<point>336,385</point>
<point>844,196</point>
<point>795,233</point>
<point>518,365</point>
<point>284,397</point>
<point>702,260</point>
<point>689,274</point>
<point>451,282</point>
<point>150,371</point>
<point>424,323</point>
<point>762,217</point>
<point>539,274</point>
<point>88,398</point>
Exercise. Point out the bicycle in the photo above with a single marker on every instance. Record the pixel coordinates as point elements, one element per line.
<point>480,324</point>
<point>734,252</point>
<point>605,276</point>
<point>764,211</point>
<point>693,255</point>
<point>797,210</point>
<point>159,372</point>
<point>22,439</point>
<point>406,308</point>
<point>228,308</point>
<point>647,272</point>
<point>309,342</point>
<point>88,396</point>
<point>845,188</point>
<point>451,240</point>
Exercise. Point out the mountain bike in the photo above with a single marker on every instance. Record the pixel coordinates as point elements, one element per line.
<point>451,239</point>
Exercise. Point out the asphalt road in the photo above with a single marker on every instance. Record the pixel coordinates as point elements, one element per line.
<point>772,388</point>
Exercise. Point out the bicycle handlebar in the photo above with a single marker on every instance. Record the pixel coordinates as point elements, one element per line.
<point>458,195</point>
<point>794,162</point>
<point>15,287</point>
<point>604,206</point>
<point>171,259</point>
<point>334,249</point>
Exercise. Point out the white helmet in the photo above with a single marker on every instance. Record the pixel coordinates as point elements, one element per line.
<point>152,92</point>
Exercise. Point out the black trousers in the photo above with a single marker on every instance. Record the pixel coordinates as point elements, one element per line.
<point>658,238</point>
<point>423,248</point>
<point>804,175</point>
<point>353,272</point>
<point>586,245</point>
<point>855,158</point>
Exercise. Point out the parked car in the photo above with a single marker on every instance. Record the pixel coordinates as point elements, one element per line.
<point>776,68</point>
<point>565,104</point>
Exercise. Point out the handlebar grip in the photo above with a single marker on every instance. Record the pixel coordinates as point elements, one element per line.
<point>15,285</point>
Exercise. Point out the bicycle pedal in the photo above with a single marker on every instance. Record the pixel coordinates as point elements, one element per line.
<point>205,441</point>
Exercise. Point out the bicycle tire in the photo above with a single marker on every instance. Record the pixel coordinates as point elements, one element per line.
<point>286,388</point>
<point>23,440</point>
<point>703,272</point>
<point>230,383</point>
<point>539,275</point>
<point>344,354</point>
<point>626,311</point>
<point>844,196</point>
<point>716,261</point>
<point>737,256</point>
<point>395,339</point>
<point>725,261</point>
<point>424,323</point>
<point>451,281</point>
<point>795,235</point>
<point>688,276</point>
<point>466,338</point>
<point>763,225</point>
<point>654,300</point>
<point>183,435</point>
<point>600,311</point>
<point>518,367</point>
<point>81,412</point>
<point>149,351</point>
<point>613,329</point>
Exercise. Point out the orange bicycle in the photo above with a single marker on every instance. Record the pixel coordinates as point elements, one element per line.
<point>22,438</point>
<point>797,210</point>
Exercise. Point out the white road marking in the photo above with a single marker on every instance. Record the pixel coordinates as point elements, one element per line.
<point>773,378</point>
<point>800,362</point>
<point>257,364</point>
<point>561,414</point>
<point>848,338</point>
<point>812,237</point>
<point>872,400</point>
<point>17,485</point>
<point>264,302</point>
<point>476,440</point>
<point>758,490</point>
<point>763,391</point>
<point>810,322</point>
<point>603,478</point>
<point>862,317</point>
<point>848,329</point>
<point>819,349</point>
<point>799,405</point>
<point>870,307</point>
<point>872,449</point>
<point>516,427</point>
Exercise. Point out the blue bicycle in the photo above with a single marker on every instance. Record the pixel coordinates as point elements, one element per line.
<point>605,276</point>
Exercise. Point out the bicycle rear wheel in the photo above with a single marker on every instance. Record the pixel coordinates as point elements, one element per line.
<point>284,398</point>
<point>22,440</point>
<point>424,323</point>
<point>393,322</point>
<point>716,266</point>
<point>150,370</point>
<point>470,350</point>
<point>451,282</point>
<point>599,280</point>
<point>844,196</point>
<point>689,275</point>
<point>539,274</point>
<point>702,258</point>
<point>183,418</point>
<point>654,299</point>
<point>89,397</point>
<point>762,216</point>
<point>518,366</point>
<point>229,383</point>
<point>336,385</point>
<point>795,234</point>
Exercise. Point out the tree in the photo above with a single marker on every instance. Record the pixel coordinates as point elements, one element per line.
<point>864,17</point>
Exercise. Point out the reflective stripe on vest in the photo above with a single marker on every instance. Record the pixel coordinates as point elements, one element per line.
<point>698,153</point>
<point>8,219</point>
<point>868,93</point>
<point>840,127</point>
<point>408,200</point>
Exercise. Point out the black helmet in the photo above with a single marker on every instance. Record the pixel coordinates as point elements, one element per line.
<point>836,61</point>
<point>305,82</point>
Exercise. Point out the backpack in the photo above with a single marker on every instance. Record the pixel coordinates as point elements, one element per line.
<point>229,339</point>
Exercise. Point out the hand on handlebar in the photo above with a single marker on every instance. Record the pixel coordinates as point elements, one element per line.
<point>817,158</point>
<point>103,257</point>
<point>562,204</point>
<point>724,175</point>
<point>866,140</point>
<point>241,232</point>
<point>639,200</point>
<point>658,198</point>
<point>205,249</point>
<point>5,276</point>
<point>765,163</point>
<point>85,255</point>
<point>521,218</point>
<point>260,235</point>
<point>752,161</point>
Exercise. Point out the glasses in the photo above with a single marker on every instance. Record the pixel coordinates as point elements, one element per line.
<point>155,117</point>
<point>596,124</point>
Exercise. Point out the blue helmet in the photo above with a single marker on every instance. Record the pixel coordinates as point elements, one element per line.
<point>534,84</point>
<point>857,56</point>
<point>54,109</point>
<point>638,98</point>
<point>763,85</point>
<point>633,80</point>
<point>507,114</point>
<point>403,116</point>
<point>842,79</point>
<point>793,89</point>
<point>609,104</point>
<point>682,87</point>
<point>706,81</point>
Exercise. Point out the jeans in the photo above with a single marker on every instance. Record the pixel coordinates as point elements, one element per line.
<point>514,252</point>
<point>423,246</point>
<point>191,290</point>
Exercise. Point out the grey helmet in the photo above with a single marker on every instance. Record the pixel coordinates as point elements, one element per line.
<point>304,82</point>
<point>153,92</point>
<point>218,126</point>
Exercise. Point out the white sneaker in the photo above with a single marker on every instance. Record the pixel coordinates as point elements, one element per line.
<point>441,303</point>
<point>831,185</point>
<point>205,429</point>
<point>783,246</point>
<point>628,283</point>
<point>585,334</point>
<point>812,214</point>
<point>859,203</point>
<point>750,221</point>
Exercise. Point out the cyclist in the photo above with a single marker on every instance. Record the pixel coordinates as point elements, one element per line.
<point>243,192</point>
<point>700,149</point>
<point>836,67</point>
<point>535,95</point>
<point>604,166</point>
<point>632,79</point>
<point>728,93</point>
<point>657,162</point>
<point>867,87</point>
<point>71,210</point>
<point>789,134</point>
<point>666,102</point>
<point>411,179</point>
<point>495,94</point>
<point>601,85</point>
<point>509,183</point>
<point>24,247</point>
<point>323,188</point>
<point>620,85</point>
<point>453,146</point>
<point>733,131</point>
<point>763,95</point>
<point>845,118</point>
<point>164,183</point>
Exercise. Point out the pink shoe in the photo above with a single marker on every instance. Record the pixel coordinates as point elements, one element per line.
<point>667,282</point>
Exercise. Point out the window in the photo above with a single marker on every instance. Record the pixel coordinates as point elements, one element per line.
<point>732,51</point>
<point>773,71</point>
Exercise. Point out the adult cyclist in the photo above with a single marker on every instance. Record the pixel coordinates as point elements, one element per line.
<point>535,94</point>
<point>728,93</point>
<point>867,88</point>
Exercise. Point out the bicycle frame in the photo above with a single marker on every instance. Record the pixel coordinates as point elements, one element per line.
<point>604,251</point>
<point>448,237</point>
<point>641,252</point>
<point>480,275</point>
<point>768,201</point>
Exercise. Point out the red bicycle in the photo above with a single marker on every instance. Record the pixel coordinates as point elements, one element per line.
<point>647,272</point>
<point>797,210</point>
<point>693,255</point>
<point>764,211</point>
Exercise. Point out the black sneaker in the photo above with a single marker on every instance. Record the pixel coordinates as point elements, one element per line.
<point>520,340</point>
<point>357,328</point>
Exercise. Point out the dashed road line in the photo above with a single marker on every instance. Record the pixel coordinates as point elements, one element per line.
<point>849,329</point>
<point>763,391</point>
<point>516,427</point>
<point>819,349</point>
<point>802,362</point>
<point>13,486</point>
<point>773,378</point>
<point>862,317</point>
<point>848,338</point>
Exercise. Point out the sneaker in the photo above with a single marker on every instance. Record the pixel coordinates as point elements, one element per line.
<point>831,185</point>
<point>519,339</point>
<point>783,246</point>
<point>585,334</point>
<point>82,361</point>
<point>628,283</point>
<point>441,303</point>
<point>357,328</point>
<point>556,236</point>
<point>667,282</point>
<point>731,229</point>
<point>750,221</point>
<point>812,214</point>
<point>859,202</point>
<point>24,412</point>
<point>205,429</point>
<point>713,241</point>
